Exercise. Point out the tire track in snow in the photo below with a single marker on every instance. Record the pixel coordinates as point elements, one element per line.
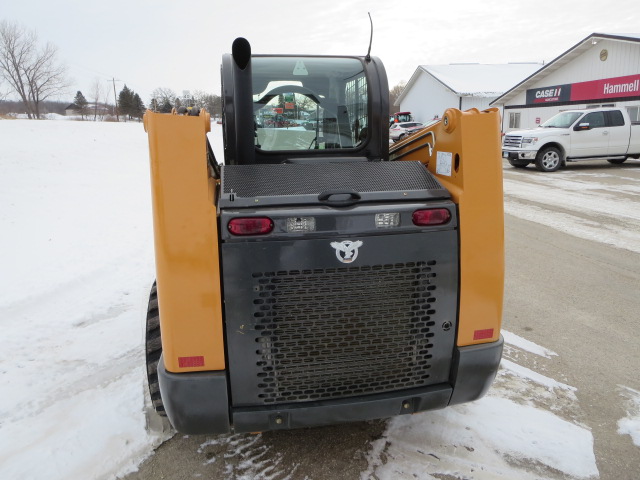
<point>71,354</point>
<point>247,457</point>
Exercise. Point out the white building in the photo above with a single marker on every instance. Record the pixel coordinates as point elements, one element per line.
<point>434,88</point>
<point>601,70</point>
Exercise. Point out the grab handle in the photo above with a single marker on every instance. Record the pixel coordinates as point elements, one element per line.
<point>339,198</point>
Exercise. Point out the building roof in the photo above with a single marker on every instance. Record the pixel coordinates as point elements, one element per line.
<point>557,63</point>
<point>474,79</point>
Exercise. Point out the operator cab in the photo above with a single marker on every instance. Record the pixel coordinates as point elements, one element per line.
<point>303,109</point>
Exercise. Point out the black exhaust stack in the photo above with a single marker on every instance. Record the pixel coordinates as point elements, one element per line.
<point>239,125</point>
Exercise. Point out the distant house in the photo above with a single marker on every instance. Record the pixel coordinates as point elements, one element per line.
<point>434,88</point>
<point>72,110</point>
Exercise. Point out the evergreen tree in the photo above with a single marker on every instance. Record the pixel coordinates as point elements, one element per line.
<point>81,103</point>
<point>153,105</point>
<point>126,103</point>
<point>139,107</point>
<point>166,106</point>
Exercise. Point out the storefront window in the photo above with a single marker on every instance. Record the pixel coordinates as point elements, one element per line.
<point>514,120</point>
<point>634,114</point>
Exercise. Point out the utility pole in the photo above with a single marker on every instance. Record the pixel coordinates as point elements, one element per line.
<point>115,99</point>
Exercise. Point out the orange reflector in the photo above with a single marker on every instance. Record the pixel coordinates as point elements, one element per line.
<point>482,334</point>
<point>186,362</point>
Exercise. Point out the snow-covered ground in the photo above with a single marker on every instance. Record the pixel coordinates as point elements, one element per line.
<point>76,264</point>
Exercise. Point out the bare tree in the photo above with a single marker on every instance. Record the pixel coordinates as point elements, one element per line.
<point>32,72</point>
<point>105,100</point>
<point>394,93</point>
<point>213,103</point>
<point>163,95</point>
<point>96,93</point>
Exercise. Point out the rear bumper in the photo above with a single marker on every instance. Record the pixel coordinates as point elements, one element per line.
<point>197,403</point>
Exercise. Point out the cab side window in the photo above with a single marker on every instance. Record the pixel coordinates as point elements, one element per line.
<point>615,118</point>
<point>594,119</point>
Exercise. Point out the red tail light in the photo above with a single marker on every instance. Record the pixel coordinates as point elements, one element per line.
<point>432,216</point>
<point>250,225</point>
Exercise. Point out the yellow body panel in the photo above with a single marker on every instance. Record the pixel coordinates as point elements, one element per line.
<point>186,243</point>
<point>475,183</point>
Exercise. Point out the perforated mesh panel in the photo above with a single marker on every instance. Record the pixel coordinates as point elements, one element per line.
<point>302,179</point>
<point>340,332</point>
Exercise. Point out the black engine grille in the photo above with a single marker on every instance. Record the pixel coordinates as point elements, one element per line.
<point>340,332</point>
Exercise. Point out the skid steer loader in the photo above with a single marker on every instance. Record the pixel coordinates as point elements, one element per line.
<point>319,276</point>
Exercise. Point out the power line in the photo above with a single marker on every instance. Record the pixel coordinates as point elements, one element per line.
<point>102,74</point>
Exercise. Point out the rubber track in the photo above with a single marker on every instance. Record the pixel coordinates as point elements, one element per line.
<point>153,349</point>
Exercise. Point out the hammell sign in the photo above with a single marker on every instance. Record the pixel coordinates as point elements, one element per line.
<point>618,87</point>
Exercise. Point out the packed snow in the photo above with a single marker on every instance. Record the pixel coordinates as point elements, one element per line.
<point>501,436</point>
<point>491,438</point>
<point>524,344</point>
<point>527,373</point>
<point>630,425</point>
<point>77,261</point>
<point>562,200</point>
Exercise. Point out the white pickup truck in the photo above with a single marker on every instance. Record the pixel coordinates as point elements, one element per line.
<point>602,133</point>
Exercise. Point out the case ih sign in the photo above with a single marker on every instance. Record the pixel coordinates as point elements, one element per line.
<point>557,93</point>
<point>618,87</point>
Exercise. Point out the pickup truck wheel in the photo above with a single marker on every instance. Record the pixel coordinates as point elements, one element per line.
<point>617,161</point>
<point>518,163</point>
<point>153,349</point>
<point>548,159</point>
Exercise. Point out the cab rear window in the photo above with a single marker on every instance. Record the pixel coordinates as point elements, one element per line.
<point>305,103</point>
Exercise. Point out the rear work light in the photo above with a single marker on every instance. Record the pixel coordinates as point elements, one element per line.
<point>431,216</point>
<point>250,225</point>
<point>301,224</point>
<point>387,220</point>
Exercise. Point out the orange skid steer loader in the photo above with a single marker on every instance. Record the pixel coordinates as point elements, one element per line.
<point>319,275</point>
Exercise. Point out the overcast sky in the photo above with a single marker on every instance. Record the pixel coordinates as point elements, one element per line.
<point>178,43</point>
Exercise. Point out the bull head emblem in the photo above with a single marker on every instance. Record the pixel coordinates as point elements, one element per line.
<point>347,251</point>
